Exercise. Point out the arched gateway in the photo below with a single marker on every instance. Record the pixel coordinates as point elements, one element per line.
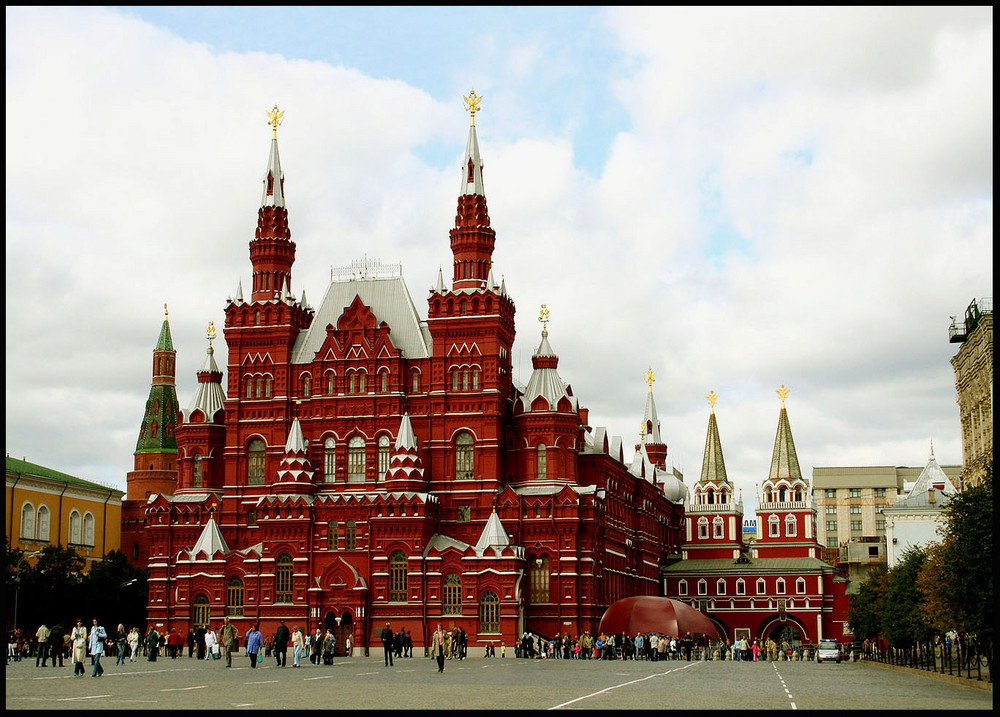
<point>342,626</point>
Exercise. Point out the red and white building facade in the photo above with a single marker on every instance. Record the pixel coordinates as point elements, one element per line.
<point>356,464</point>
<point>776,586</point>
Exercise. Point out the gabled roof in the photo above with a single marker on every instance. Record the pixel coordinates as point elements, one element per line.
<point>931,477</point>
<point>389,300</point>
<point>493,535</point>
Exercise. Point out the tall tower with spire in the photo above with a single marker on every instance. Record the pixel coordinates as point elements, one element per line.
<point>471,324</point>
<point>713,515</point>
<point>272,250</point>
<point>786,519</point>
<point>649,435</point>
<point>203,430</point>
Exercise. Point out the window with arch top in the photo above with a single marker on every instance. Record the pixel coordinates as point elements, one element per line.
<point>489,612</point>
<point>384,454</point>
<point>542,461</point>
<point>329,459</point>
<point>356,460</point>
<point>283,578</point>
<point>465,456</point>
<point>452,594</point>
<point>234,598</point>
<point>255,462</point>
<point>397,577</point>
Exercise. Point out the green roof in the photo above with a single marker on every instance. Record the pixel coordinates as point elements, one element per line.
<point>15,465</point>
<point>727,565</point>
<point>164,343</point>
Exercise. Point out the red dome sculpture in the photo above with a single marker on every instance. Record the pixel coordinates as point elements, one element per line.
<point>655,614</point>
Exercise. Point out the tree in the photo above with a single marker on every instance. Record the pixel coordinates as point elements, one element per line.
<point>866,607</point>
<point>904,622</point>
<point>115,592</point>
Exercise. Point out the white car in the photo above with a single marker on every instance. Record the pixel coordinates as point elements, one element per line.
<point>828,650</point>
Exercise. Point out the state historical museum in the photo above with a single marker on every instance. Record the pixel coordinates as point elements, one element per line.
<point>362,464</point>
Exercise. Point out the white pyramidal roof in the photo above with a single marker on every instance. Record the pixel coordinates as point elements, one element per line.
<point>406,440</point>
<point>493,536</point>
<point>932,476</point>
<point>296,442</point>
<point>210,541</point>
<point>209,397</point>
<point>277,196</point>
<point>472,153</point>
<point>649,416</point>
<point>545,381</point>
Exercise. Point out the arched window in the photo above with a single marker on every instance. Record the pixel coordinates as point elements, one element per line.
<point>703,587</point>
<point>539,580</point>
<point>720,586</point>
<point>28,521</point>
<point>249,384</point>
<point>329,384</point>
<point>306,386</point>
<point>383,457</point>
<point>356,460</point>
<point>350,535</point>
<point>88,528</point>
<point>703,528</point>
<point>415,387</point>
<point>741,586</point>
<point>329,459</point>
<point>283,578</point>
<point>779,586</point>
<point>465,460</point>
<point>42,524</point>
<point>489,612</point>
<point>791,529</point>
<point>361,382</point>
<point>267,387</point>
<point>197,470</point>
<point>234,598</point>
<point>255,462</point>
<point>383,382</point>
<point>454,379</point>
<point>761,586</point>
<point>718,528</point>
<point>452,594</point>
<point>75,527</point>
<point>331,535</point>
<point>201,609</point>
<point>397,576</point>
<point>542,462</point>
<point>475,379</point>
<point>773,526</point>
<point>682,587</point>
<point>260,387</point>
<point>800,586</point>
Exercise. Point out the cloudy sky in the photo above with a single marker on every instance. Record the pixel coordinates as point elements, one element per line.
<point>738,199</point>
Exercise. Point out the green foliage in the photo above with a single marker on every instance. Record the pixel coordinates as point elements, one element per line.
<point>967,553</point>
<point>864,609</point>
<point>903,618</point>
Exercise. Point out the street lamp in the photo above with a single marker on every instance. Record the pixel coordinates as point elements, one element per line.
<point>17,591</point>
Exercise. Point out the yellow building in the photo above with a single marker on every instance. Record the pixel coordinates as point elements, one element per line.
<point>46,507</point>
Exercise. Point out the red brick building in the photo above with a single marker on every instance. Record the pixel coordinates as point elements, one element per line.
<point>362,464</point>
<point>778,586</point>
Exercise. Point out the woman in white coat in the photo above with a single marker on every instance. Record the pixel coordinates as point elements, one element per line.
<point>210,642</point>
<point>78,638</point>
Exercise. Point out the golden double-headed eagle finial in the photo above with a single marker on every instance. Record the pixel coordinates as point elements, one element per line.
<point>650,377</point>
<point>712,398</point>
<point>210,334</point>
<point>274,119</point>
<point>472,101</point>
<point>544,318</point>
<point>782,392</point>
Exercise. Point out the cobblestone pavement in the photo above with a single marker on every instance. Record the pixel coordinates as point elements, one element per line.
<point>480,683</point>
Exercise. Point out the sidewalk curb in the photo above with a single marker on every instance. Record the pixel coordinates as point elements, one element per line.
<point>953,679</point>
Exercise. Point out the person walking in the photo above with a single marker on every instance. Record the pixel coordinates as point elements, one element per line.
<point>120,640</point>
<point>152,643</point>
<point>387,644</point>
<point>191,642</point>
<point>298,645</point>
<point>208,650</point>
<point>56,645</point>
<point>98,635</point>
<point>79,638</point>
<point>42,638</point>
<point>437,646</point>
<point>133,643</point>
<point>255,641</point>
<point>227,638</point>
<point>281,638</point>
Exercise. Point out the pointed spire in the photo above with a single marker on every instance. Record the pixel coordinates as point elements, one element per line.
<point>156,435</point>
<point>472,238</point>
<point>210,397</point>
<point>274,179</point>
<point>439,286</point>
<point>165,343</point>
<point>713,465</point>
<point>295,473</point>
<point>472,163</point>
<point>545,380</point>
<point>784,460</point>
<point>239,292</point>
<point>406,470</point>
<point>650,420</point>
<point>491,282</point>
<point>210,541</point>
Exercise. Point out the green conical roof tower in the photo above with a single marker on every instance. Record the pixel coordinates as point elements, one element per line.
<point>157,432</point>
<point>713,466</point>
<point>784,461</point>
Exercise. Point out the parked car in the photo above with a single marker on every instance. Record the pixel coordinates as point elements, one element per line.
<point>828,650</point>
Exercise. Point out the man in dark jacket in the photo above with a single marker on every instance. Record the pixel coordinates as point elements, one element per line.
<point>281,638</point>
<point>56,645</point>
<point>387,644</point>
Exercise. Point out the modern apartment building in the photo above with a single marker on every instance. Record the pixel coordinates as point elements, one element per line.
<point>849,501</point>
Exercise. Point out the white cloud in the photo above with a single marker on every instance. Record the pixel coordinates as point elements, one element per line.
<point>801,196</point>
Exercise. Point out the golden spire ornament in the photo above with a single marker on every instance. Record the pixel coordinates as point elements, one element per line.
<point>274,119</point>
<point>544,318</point>
<point>650,377</point>
<point>782,392</point>
<point>712,398</point>
<point>165,312</point>
<point>472,104</point>
<point>210,334</point>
